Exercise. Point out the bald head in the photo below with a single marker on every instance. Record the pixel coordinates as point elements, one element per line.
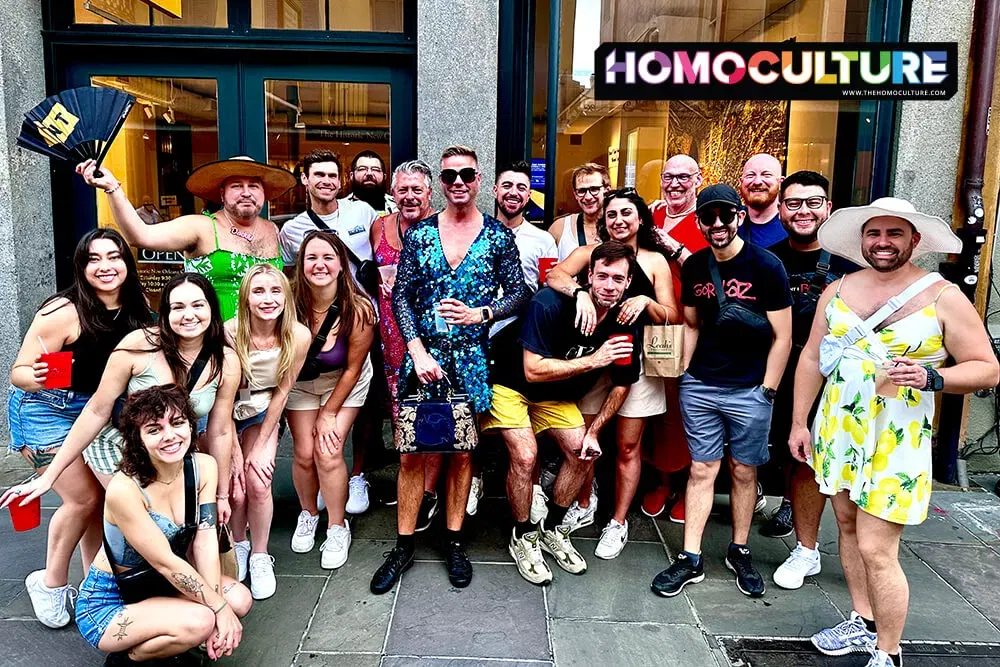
<point>760,182</point>
<point>679,183</point>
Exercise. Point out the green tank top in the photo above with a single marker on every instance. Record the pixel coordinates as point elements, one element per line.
<point>225,270</point>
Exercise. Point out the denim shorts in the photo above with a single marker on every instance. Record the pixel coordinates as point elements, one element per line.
<point>41,420</point>
<point>244,424</point>
<point>716,416</point>
<point>98,605</point>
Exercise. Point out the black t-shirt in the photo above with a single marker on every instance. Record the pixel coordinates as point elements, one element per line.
<point>548,330</point>
<point>755,279</point>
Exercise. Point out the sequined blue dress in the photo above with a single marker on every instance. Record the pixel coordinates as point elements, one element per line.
<point>489,275</point>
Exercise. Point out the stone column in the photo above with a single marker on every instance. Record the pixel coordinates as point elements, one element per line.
<point>457,84</point>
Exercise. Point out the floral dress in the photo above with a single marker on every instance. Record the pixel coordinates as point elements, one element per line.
<point>874,446</point>
<point>424,278</point>
<point>393,347</point>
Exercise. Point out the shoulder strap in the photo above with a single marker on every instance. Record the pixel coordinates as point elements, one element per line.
<point>713,268</point>
<point>581,232</point>
<point>145,495</point>
<point>190,491</point>
<point>900,300</point>
<point>324,330</point>
<point>197,368</point>
<point>215,229</point>
<point>318,221</point>
<point>819,275</point>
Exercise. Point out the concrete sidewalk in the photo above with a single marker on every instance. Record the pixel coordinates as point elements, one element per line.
<point>606,617</point>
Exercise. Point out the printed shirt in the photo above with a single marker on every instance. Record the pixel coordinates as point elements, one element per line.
<point>351,222</point>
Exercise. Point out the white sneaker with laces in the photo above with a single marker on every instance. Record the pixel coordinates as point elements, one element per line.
<point>801,563</point>
<point>539,508</point>
<point>333,551</point>
<point>580,517</point>
<point>556,542</point>
<point>262,582</point>
<point>242,550</point>
<point>850,636</point>
<point>475,495</point>
<point>527,556</point>
<point>304,537</point>
<point>613,540</point>
<point>357,495</point>
<point>49,604</point>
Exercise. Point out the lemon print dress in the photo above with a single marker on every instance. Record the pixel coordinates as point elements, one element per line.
<point>874,446</point>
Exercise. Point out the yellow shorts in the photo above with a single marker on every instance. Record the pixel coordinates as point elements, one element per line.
<point>512,410</point>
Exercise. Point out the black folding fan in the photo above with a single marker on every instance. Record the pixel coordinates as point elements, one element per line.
<point>77,124</point>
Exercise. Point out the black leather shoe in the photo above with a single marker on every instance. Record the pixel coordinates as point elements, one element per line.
<point>459,565</point>
<point>396,563</point>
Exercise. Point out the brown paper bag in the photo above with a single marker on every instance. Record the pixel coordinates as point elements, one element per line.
<point>663,350</point>
<point>227,554</point>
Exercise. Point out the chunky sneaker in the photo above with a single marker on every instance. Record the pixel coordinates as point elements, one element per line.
<point>580,517</point>
<point>320,503</point>
<point>672,581</point>
<point>242,550</point>
<point>677,511</point>
<point>850,636</point>
<point>262,582</point>
<point>49,604</point>
<point>613,540</point>
<point>459,566</point>
<point>428,510</point>
<point>761,500</point>
<point>527,556</point>
<point>539,505</point>
<point>801,563</point>
<point>333,551</point>
<point>780,523</point>
<point>304,537</point>
<point>357,495</point>
<point>556,543</point>
<point>475,495</point>
<point>396,563</point>
<point>654,502</point>
<point>880,659</point>
<point>748,579</point>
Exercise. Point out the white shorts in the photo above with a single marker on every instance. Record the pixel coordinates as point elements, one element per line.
<point>313,394</point>
<point>645,399</point>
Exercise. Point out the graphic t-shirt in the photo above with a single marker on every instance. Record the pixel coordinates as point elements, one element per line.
<point>687,233</point>
<point>549,330</point>
<point>754,278</point>
<point>765,235</point>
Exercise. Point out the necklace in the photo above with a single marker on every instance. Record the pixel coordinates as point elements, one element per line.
<point>172,479</point>
<point>236,231</point>
<point>681,214</point>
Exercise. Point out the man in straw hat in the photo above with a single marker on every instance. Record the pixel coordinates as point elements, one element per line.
<point>881,337</point>
<point>222,246</point>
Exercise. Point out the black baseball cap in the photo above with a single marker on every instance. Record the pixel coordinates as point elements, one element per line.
<point>719,194</point>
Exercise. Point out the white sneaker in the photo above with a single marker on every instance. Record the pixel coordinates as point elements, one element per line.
<point>242,550</point>
<point>357,495</point>
<point>333,551</point>
<point>801,563</point>
<point>50,604</point>
<point>556,542</point>
<point>304,537</point>
<point>262,582</point>
<point>475,495</point>
<point>320,503</point>
<point>761,504</point>
<point>579,517</point>
<point>527,556</point>
<point>613,540</point>
<point>539,508</point>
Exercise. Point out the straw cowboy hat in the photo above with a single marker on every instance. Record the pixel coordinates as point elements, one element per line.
<point>206,180</point>
<point>841,234</point>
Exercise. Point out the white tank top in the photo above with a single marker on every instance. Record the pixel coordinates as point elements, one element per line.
<point>569,240</point>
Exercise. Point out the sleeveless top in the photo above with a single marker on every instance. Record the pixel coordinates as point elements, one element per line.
<point>92,351</point>
<point>260,385</point>
<point>393,347</point>
<point>225,270</point>
<point>335,358</point>
<point>570,239</point>
<point>640,285</point>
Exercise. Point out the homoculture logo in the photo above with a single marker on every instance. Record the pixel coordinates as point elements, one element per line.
<point>776,71</point>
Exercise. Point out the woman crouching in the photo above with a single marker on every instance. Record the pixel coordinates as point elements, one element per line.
<point>156,589</point>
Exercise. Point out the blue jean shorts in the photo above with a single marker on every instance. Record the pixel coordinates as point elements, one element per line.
<point>98,605</point>
<point>41,420</point>
<point>244,424</point>
<point>715,416</point>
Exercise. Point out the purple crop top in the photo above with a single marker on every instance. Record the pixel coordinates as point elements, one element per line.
<point>335,358</point>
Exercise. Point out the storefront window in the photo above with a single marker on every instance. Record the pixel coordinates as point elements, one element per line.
<point>171,130</point>
<point>634,138</point>
<point>346,118</point>
<point>362,15</point>
<point>194,13</point>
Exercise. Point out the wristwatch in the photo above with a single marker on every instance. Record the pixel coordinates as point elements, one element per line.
<point>577,291</point>
<point>485,313</point>
<point>769,393</point>
<point>934,381</point>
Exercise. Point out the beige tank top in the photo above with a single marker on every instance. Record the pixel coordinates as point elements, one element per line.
<point>254,399</point>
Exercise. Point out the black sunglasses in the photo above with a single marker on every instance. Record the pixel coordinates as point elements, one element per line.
<point>620,193</point>
<point>467,174</point>
<point>707,218</point>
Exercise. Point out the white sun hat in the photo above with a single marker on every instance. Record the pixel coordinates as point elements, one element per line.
<point>841,234</point>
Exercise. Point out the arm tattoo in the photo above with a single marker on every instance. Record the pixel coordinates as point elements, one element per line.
<point>208,514</point>
<point>123,623</point>
<point>188,584</point>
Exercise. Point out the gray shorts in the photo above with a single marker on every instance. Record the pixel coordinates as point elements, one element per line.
<point>714,416</point>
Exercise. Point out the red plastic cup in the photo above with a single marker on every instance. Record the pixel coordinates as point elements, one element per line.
<point>545,265</point>
<point>27,517</point>
<point>624,361</point>
<point>60,369</point>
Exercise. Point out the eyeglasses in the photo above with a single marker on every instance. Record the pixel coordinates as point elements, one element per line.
<point>814,203</point>
<point>683,179</point>
<point>708,218</point>
<point>365,170</point>
<point>594,191</point>
<point>467,174</point>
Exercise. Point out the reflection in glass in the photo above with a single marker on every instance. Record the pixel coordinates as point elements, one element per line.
<point>171,130</point>
<point>360,15</point>
<point>302,116</point>
<point>194,13</point>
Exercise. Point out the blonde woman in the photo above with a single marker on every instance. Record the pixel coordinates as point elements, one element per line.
<point>271,345</point>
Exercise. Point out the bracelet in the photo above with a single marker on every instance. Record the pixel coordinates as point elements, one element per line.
<point>676,254</point>
<point>221,607</point>
<point>222,497</point>
<point>114,189</point>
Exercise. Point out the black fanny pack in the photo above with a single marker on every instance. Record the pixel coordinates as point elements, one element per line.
<point>366,270</point>
<point>733,315</point>
<point>311,367</point>
<point>805,301</point>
